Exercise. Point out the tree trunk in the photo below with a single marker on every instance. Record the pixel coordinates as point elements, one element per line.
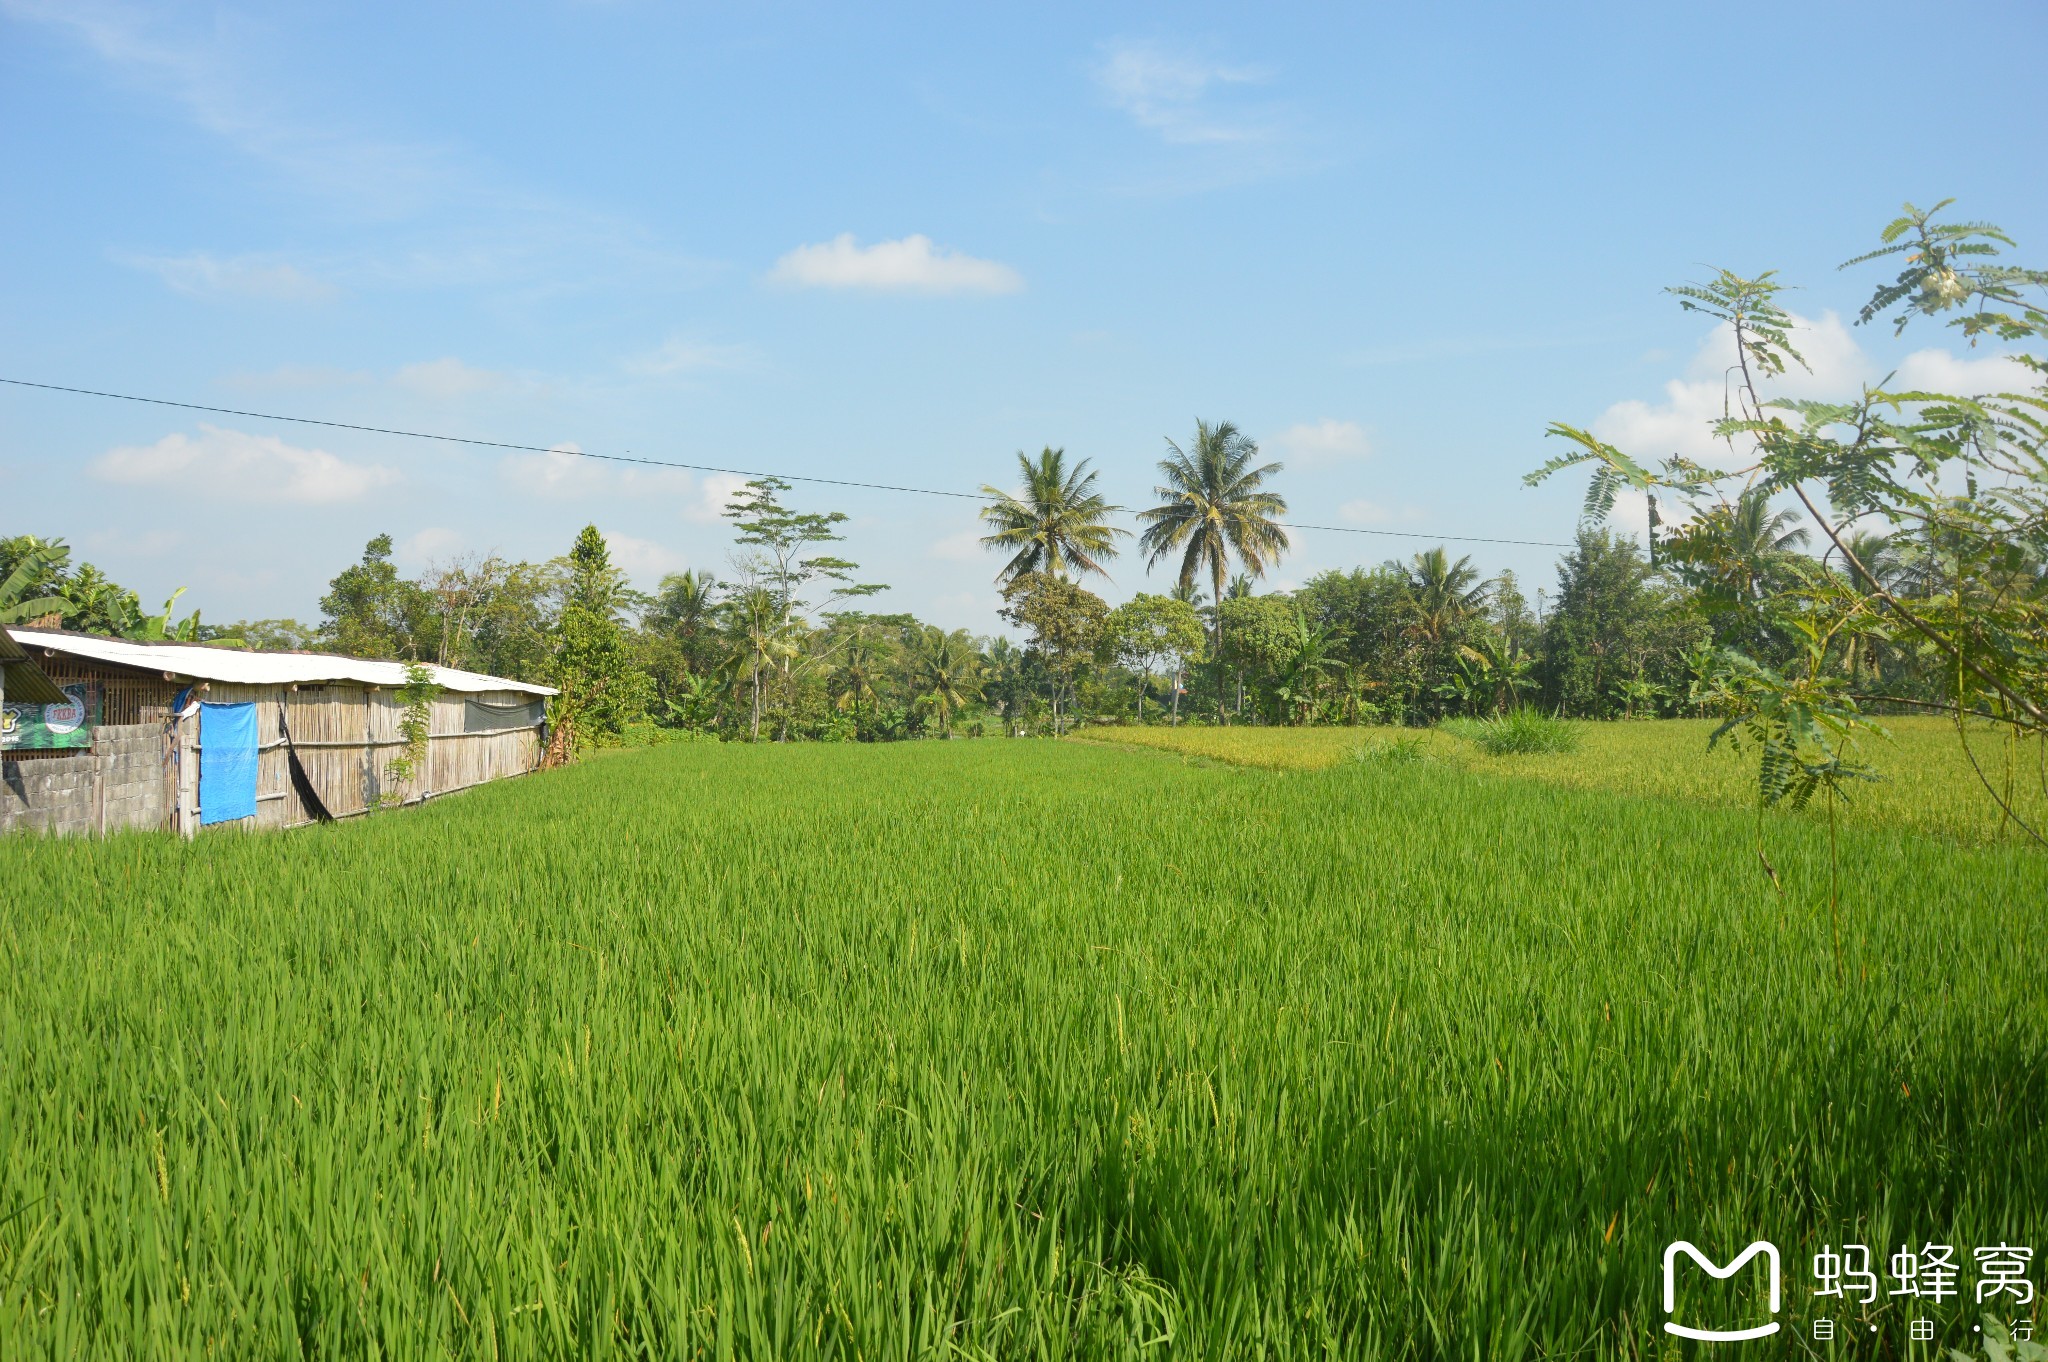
<point>1216,578</point>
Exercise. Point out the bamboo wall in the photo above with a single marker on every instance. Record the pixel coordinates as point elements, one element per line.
<point>347,736</point>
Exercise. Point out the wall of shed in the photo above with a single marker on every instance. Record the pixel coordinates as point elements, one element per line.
<point>347,737</point>
<point>123,782</point>
<point>140,775</point>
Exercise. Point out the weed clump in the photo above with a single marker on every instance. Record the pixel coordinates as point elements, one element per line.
<point>1391,752</point>
<point>1519,732</point>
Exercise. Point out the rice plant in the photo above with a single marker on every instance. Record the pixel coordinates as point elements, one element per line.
<point>992,1049</point>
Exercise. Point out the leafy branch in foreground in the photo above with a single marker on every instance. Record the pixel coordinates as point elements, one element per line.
<point>1958,481</point>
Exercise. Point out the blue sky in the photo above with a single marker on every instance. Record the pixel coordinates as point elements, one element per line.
<point>1391,242</point>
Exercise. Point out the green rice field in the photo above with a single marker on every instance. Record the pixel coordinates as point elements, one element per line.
<point>1001,1049</point>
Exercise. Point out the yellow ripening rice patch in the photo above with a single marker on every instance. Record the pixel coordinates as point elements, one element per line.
<point>1927,782</point>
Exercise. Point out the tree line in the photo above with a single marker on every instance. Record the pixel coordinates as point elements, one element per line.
<point>785,646</point>
<point>1847,559</point>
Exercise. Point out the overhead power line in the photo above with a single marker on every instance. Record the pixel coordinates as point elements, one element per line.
<point>678,464</point>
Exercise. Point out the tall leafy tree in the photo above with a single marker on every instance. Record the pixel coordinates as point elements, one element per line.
<point>1214,504</point>
<point>1065,622</point>
<point>798,579</point>
<point>1147,632</point>
<point>1055,523</point>
<point>601,688</point>
<point>1616,625</point>
<point>373,612</point>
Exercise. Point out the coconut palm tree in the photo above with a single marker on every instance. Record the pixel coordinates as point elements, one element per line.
<point>948,672</point>
<point>761,639</point>
<point>862,660</point>
<point>1055,521</point>
<point>1441,594</point>
<point>1213,503</point>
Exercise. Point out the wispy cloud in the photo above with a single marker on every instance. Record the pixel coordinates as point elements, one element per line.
<point>964,546</point>
<point>680,355</point>
<point>563,473</point>
<point>299,378</point>
<point>1456,347</point>
<point>214,79</point>
<point>1174,93</point>
<point>447,220</point>
<point>910,265</point>
<point>642,559</point>
<point>448,378</point>
<point>201,275</point>
<point>1320,443</point>
<point>1363,512</point>
<point>433,544</point>
<point>247,467</point>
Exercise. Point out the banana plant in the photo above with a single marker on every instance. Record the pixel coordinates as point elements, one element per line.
<point>37,566</point>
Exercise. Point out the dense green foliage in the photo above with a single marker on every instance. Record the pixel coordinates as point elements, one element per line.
<point>39,584</point>
<point>1933,589</point>
<point>987,1049</point>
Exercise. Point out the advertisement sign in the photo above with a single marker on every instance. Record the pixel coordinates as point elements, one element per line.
<point>42,727</point>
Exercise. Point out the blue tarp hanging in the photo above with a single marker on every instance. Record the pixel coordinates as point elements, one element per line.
<point>227,762</point>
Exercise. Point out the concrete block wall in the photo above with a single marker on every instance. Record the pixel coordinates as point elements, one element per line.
<point>121,783</point>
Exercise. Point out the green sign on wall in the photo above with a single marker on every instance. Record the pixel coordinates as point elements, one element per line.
<point>41,727</point>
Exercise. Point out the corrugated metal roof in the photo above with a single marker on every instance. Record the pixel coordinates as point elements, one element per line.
<point>200,662</point>
<point>21,680</point>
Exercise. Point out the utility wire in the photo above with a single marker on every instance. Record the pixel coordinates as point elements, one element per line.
<point>673,463</point>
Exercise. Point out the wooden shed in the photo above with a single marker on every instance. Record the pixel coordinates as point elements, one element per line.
<point>319,731</point>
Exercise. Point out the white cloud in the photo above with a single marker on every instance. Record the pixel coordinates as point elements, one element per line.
<point>712,496</point>
<point>447,379</point>
<point>200,275</point>
<point>147,544</point>
<point>642,559</point>
<point>248,467</point>
<point>1168,92</point>
<point>677,355</point>
<point>1364,512</point>
<point>911,265</point>
<point>1944,372</point>
<point>565,473</point>
<point>1322,442</point>
<point>964,547</point>
<point>431,544</point>
<point>1682,423</point>
<point>963,610</point>
<point>299,377</point>
<point>1837,369</point>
